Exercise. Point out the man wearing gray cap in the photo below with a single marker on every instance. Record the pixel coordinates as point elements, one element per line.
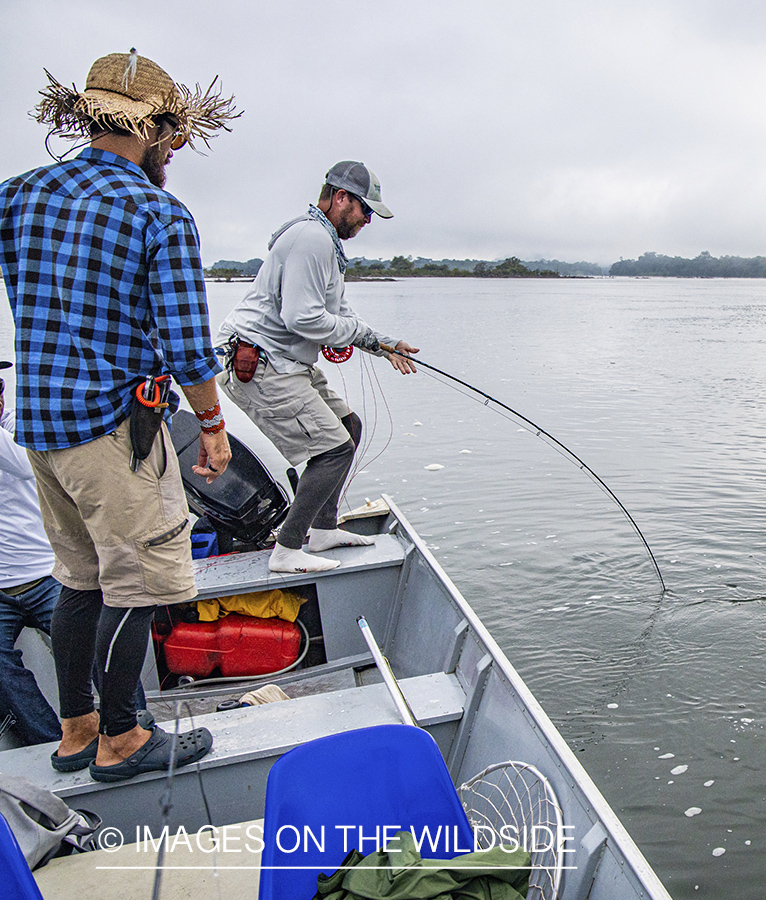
<point>295,308</point>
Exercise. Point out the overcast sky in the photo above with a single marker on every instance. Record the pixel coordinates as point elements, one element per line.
<point>573,130</point>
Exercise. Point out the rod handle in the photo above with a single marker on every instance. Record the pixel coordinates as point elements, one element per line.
<point>400,701</point>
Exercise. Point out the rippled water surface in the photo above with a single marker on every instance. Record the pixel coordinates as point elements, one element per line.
<point>660,387</point>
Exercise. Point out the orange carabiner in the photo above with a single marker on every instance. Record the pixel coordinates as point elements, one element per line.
<point>155,402</point>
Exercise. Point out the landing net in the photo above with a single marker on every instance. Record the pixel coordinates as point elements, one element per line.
<point>513,803</point>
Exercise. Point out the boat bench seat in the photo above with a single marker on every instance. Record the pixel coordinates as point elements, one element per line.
<point>241,572</point>
<point>247,741</point>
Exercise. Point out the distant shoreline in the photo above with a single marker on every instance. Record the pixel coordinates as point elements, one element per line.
<point>249,279</point>
<point>648,265</point>
<point>243,278</point>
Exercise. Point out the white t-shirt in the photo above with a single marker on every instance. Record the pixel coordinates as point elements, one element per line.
<point>25,554</point>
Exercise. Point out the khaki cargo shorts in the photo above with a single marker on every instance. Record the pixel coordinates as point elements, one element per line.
<point>297,412</point>
<point>124,532</point>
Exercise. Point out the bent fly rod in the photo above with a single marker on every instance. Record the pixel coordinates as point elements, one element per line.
<point>573,457</point>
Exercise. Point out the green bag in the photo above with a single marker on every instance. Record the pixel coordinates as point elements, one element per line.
<point>398,872</point>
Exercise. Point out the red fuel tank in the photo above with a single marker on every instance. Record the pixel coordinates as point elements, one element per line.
<point>237,645</point>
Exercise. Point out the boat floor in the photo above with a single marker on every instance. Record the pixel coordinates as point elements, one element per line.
<point>305,685</point>
<point>129,873</point>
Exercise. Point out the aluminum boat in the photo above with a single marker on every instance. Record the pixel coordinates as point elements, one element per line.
<point>457,683</point>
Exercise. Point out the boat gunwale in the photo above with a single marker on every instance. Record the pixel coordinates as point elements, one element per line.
<point>601,808</point>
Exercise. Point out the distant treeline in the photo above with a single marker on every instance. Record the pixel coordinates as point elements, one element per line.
<point>420,267</point>
<point>513,267</point>
<point>702,266</point>
<point>230,268</point>
<point>405,267</point>
<point>648,264</point>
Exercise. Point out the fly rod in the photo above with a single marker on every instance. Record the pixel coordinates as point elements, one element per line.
<point>541,431</point>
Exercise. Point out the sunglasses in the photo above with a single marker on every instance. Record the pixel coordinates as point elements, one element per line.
<point>367,210</point>
<point>178,138</point>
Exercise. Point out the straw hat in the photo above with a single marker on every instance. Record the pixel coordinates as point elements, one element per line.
<point>129,91</point>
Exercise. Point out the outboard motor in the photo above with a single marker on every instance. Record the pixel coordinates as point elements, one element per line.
<point>245,503</point>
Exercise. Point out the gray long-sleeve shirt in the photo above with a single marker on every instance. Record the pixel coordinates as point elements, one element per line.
<point>297,302</point>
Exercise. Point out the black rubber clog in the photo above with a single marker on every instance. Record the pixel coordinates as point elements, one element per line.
<point>75,761</point>
<point>154,756</point>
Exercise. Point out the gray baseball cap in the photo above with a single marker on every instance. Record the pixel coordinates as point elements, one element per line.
<point>356,178</point>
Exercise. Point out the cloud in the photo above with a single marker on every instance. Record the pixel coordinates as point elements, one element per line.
<point>590,130</point>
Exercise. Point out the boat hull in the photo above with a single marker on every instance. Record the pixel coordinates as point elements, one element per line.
<point>458,682</point>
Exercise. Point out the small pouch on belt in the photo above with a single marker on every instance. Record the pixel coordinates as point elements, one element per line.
<point>245,361</point>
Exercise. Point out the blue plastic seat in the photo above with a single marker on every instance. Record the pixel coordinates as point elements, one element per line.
<point>17,880</point>
<point>339,792</point>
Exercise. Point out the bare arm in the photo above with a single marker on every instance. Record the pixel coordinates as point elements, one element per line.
<point>214,450</point>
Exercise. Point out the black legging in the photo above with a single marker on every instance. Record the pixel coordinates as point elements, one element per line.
<point>83,629</point>
<point>318,493</point>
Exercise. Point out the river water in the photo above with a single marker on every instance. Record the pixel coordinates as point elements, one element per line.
<point>658,385</point>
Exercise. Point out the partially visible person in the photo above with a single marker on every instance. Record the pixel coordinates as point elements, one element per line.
<point>104,277</point>
<point>274,335</point>
<point>28,592</point>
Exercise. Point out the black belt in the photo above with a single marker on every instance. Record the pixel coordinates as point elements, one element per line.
<point>22,588</point>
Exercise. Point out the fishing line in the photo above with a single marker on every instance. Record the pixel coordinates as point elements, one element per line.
<point>554,442</point>
<point>166,805</point>
<point>367,433</point>
<point>372,375</point>
<point>369,374</point>
<point>364,440</point>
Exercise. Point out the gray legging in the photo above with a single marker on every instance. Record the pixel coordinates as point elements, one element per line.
<point>318,494</point>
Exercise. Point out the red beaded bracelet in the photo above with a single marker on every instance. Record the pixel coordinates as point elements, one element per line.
<point>211,420</point>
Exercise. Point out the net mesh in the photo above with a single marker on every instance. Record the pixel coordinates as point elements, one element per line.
<point>513,803</point>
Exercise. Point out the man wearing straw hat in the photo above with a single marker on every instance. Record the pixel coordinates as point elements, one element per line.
<point>103,273</point>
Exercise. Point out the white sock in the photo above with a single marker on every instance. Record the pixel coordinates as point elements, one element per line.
<point>283,559</point>
<point>326,538</point>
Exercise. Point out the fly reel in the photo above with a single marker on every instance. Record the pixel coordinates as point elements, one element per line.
<point>337,354</point>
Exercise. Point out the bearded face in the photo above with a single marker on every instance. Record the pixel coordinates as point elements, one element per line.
<point>154,162</point>
<point>351,219</point>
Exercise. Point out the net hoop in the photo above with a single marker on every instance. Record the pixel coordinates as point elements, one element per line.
<point>515,798</point>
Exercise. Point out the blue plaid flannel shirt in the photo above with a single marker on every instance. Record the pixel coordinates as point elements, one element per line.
<point>105,282</point>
